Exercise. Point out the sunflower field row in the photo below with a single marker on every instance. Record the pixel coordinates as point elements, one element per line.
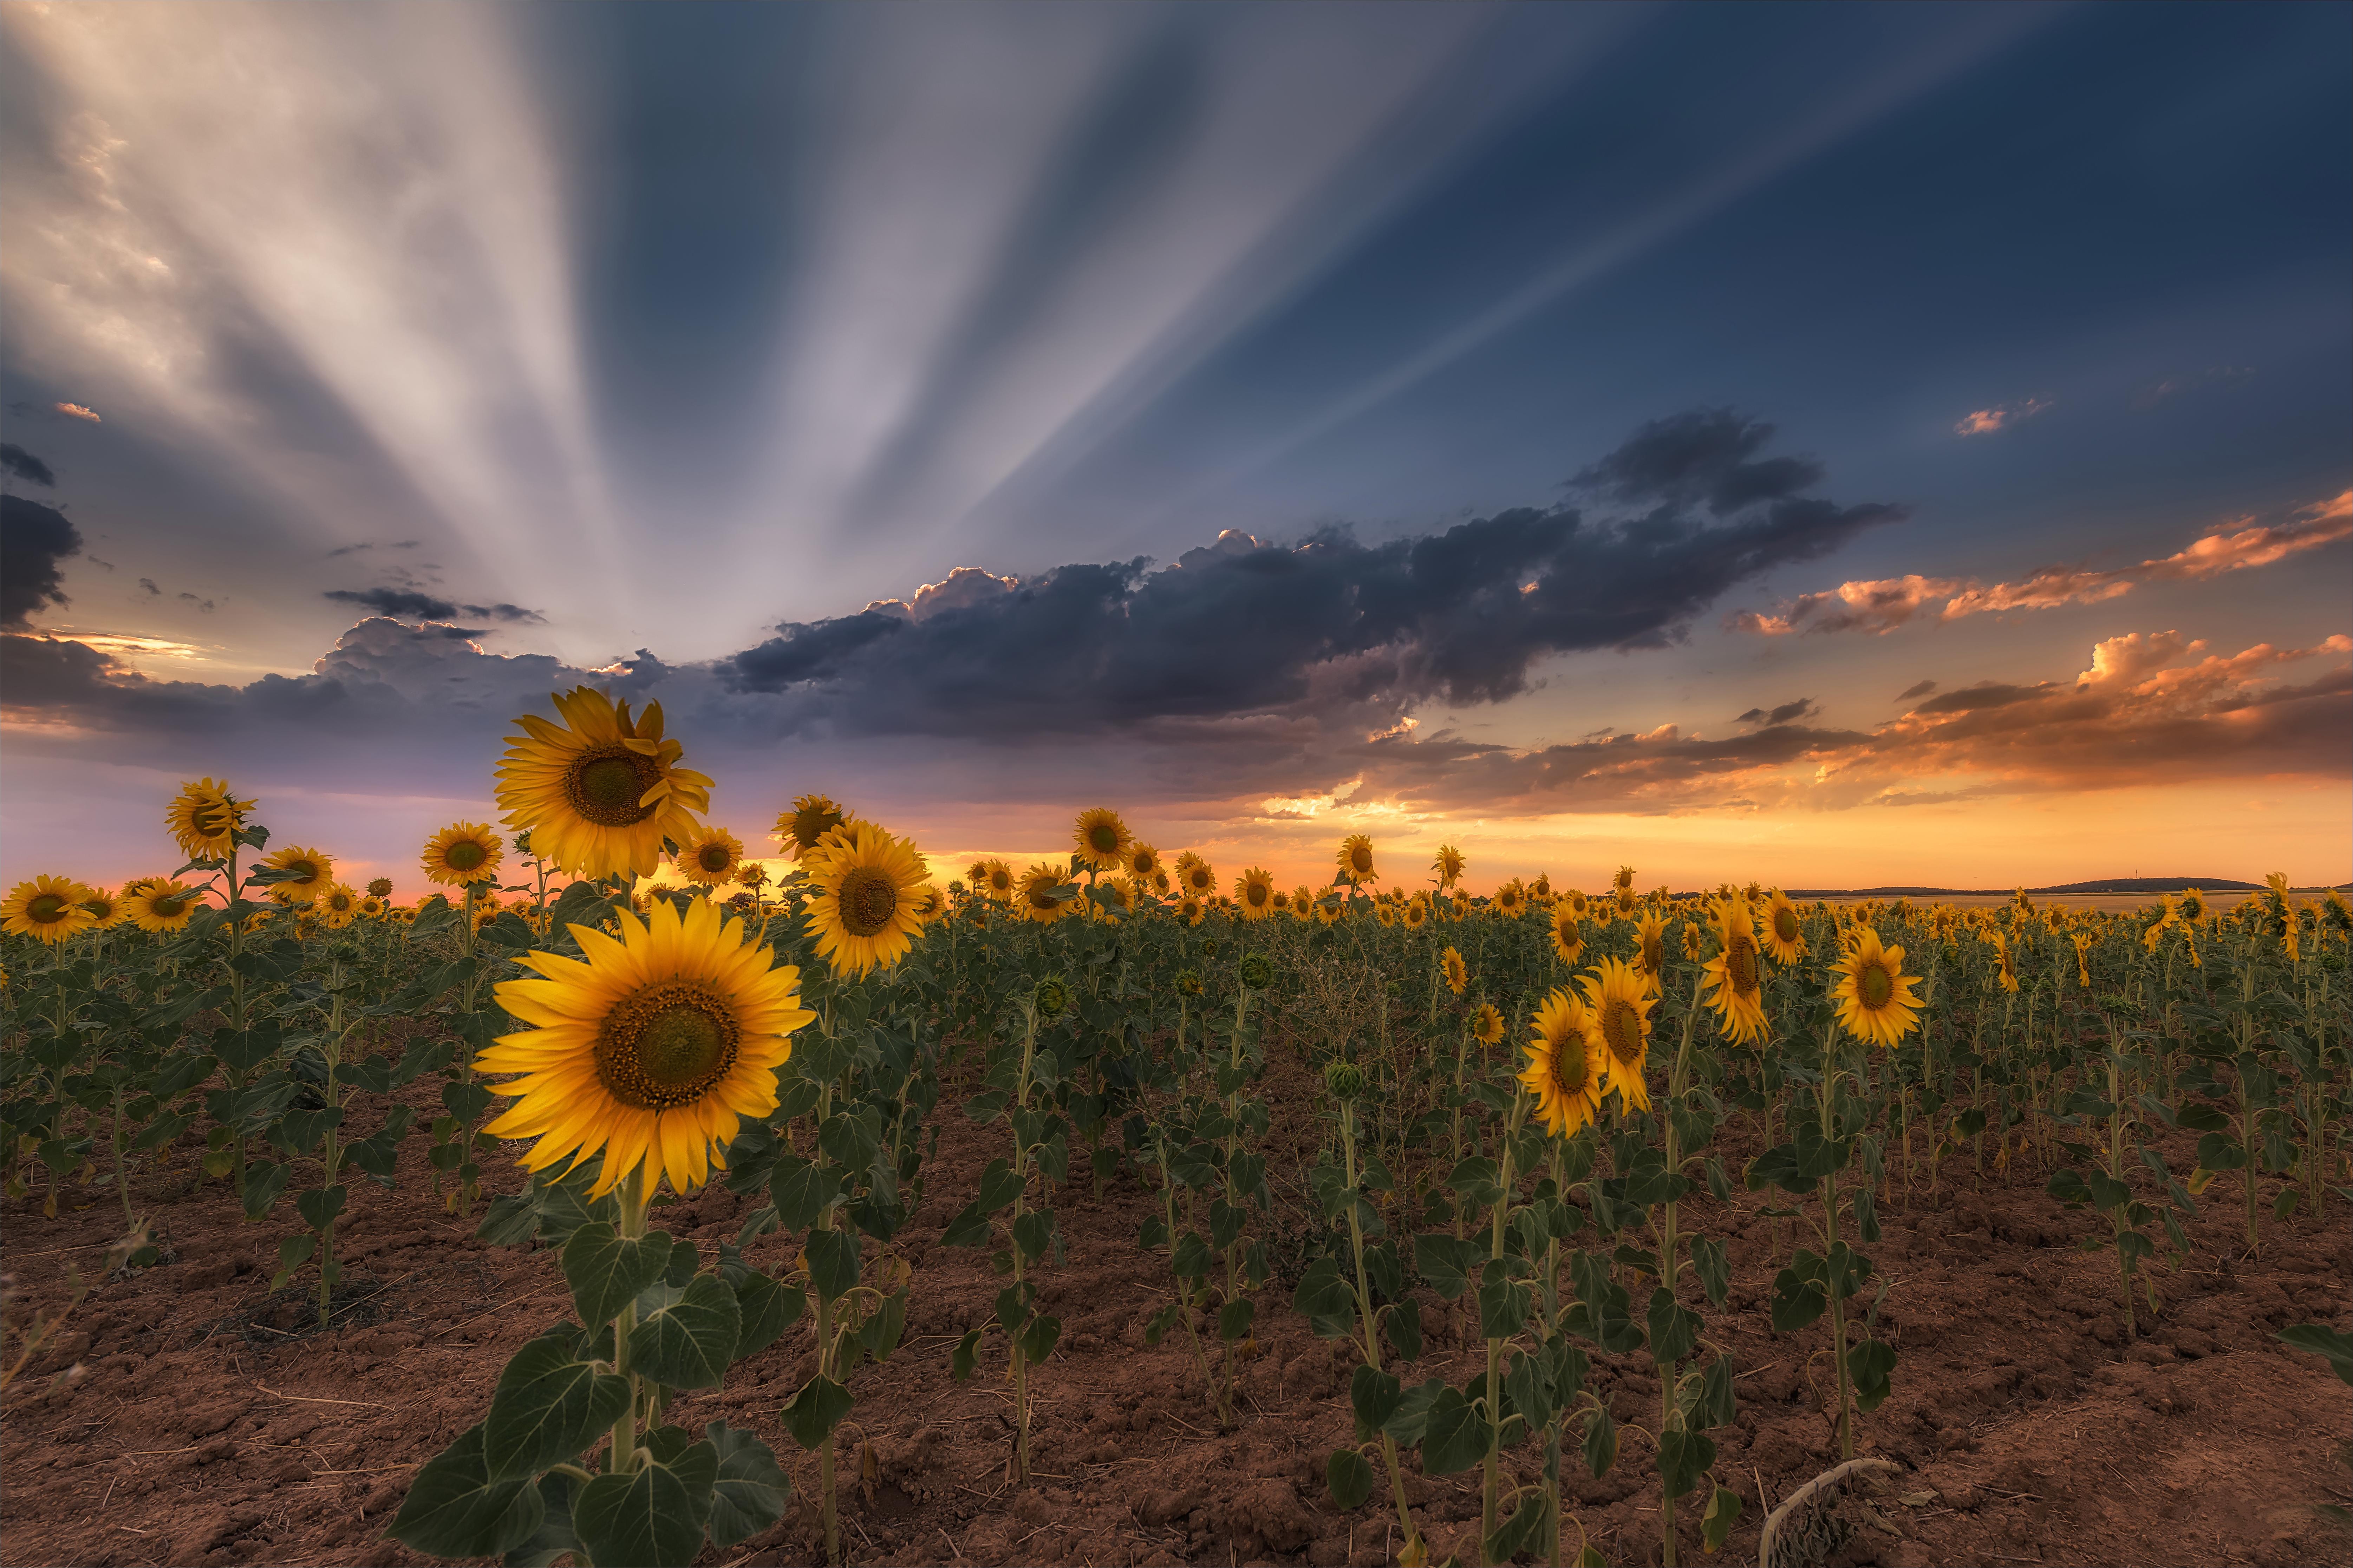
<point>1515,1094</point>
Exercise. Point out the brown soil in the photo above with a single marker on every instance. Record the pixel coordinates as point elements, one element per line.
<point>199,1419</point>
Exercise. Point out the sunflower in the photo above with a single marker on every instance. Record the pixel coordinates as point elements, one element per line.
<point>1161,884</point>
<point>373,908</point>
<point>2083,941</point>
<point>1576,902</point>
<point>862,910</point>
<point>1739,998</point>
<point>751,874</point>
<point>1355,859</point>
<point>1542,889</point>
<point>50,908</point>
<point>1195,875</point>
<point>2000,952</point>
<point>1450,967</point>
<point>993,877</point>
<point>1254,893</point>
<point>811,817</point>
<point>1329,910</point>
<point>1874,994</point>
<point>339,906</point>
<point>929,904</point>
<point>710,857</point>
<point>1618,1023</point>
<point>381,888</point>
<point>203,818</point>
<point>600,792</point>
<point>1624,881</point>
<point>462,854</point>
<point>2193,904</point>
<point>1508,899</point>
<point>1449,865</point>
<point>1102,839</point>
<point>1565,1067</point>
<point>1784,937</point>
<point>1122,894</point>
<point>105,909</point>
<point>1651,951</point>
<point>308,874</point>
<point>1035,892</point>
<point>652,1052</point>
<point>1487,1024</point>
<point>1417,915</point>
<point>1385,914</point>
<point>1188,909</point>
<point>1568,935</point>
<point>157,905</point>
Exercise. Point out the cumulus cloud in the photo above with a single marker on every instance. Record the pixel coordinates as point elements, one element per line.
<point>34,540</point>
<point>1787,713</point>
<point>15,460</point>
<point>1880,605</point>
<point>427,606</point>
<point>1986,421</point>
<point>76,411</point>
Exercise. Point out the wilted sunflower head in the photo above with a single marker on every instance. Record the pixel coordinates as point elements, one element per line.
<point>1102,838</point>
<point>810,818</point>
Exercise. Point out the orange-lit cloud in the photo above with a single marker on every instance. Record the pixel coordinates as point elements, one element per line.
<point>76,411</point>
<point>1986,421</point>
<point>1879,605</point>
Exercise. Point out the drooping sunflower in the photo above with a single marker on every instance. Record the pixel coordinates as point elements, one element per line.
<point>1453,971</point>
<point>652,1052</point>
<point>1254,890</point>
<point>1736,972</point>
<point>1568,934</point>
<point>601,791</point>
<point>1486,1025</point>
<point>1651,951</point>
<point>2083,941</point>
<point>1618,1013</point>
<point>1355,859</point>
<point>2008,978</point>
<point>49,908</point>
<point>310,874</point>
<point>1510,899</point>
<point>105,909</point>
<point>865,884</point>
<point>1784,936</point>
<point>1874,994</point>
<point>1449,865</point>
<point>712,856</point>
<point>1034,895</point>
<point>1564,1069</point>
<point>339,906</point>
<point>1102,838</point>
<point>156,905</point>
<point>462,854</point>
<point>203,818</point>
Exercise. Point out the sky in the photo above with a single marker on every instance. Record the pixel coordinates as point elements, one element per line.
<point>1832,446</point>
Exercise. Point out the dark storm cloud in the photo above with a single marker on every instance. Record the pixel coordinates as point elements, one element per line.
<point>1917,688</point>
<point>1331,624</point>
<point>25,466</point>
<point>1787,713</point>
<point>33,540</point>
<point>427,606</point>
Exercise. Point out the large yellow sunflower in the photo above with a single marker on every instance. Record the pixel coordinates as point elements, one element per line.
<point>309,875</point>
<point>203,818</point>
<point>1618,1021</point>
<point>652,1052</point>
<point>1736,972</point>
<point>710,857</point>
<point>601,791</point>
<point>157,905</point>
<point>49,908</point>
<point>1450,967</point>
<point>1355,859</point>
<point>1102,838</point>
<point>1449,865</point>
<point>462,854</point>
<point>1034,894</point>
<point>1784,936</point>
<point>1874,994</point>
<point>812,816</point>
<point>1254,890</point>
<point>866,888</point>
<point>1568,935</point>
<point>1564,1069</point>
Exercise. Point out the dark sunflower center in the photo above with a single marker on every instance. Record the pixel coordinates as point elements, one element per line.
<point>305,873</point>
<point>1740,962</point>
<point>1360,859</point>
<point>1199,879</point>
<point>1785,924</point>
<point>713,857</point>
<point>1621,1026</point>
<point>1145,863</point>
<point>667,1045</point>
<point>47,909</point>
<point>1040,899</point>
<point>999,880</point>
<point>606,784</point>
<point>1103,838</point>
<point>1257,894</point>
<point>169,908</point>
<point>465,854</point>
<point>1569,1068</point>
<point>868,899</point>
<point>1875,986</point>
<point>812,822</point>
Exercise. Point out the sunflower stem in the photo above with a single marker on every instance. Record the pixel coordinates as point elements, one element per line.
<point>623,1457</point>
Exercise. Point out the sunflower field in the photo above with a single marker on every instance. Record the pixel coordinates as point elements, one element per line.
<point>743,1213</point>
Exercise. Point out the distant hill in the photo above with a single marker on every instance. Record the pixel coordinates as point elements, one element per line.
<point>2110,885</point>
